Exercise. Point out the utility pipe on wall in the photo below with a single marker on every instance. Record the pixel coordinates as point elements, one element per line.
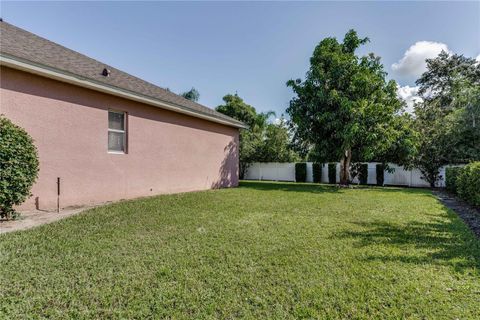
<point>58,194</point>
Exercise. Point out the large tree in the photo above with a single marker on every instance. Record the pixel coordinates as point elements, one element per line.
<point>433,147</point>
<point>447,119</point>
<point>345,108</point>
<point>445,78</point>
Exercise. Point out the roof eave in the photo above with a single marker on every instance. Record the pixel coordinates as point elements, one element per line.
<point>60,75</point>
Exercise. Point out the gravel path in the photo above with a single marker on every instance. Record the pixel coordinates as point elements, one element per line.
<point>468,213</point>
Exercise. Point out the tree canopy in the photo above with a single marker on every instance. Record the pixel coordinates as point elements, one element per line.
<point>277,146</point>
<point>447,119</point>
<point>446,75</point>
<point>192,95</point>
<point>345,108</point>
<point>261,141</point>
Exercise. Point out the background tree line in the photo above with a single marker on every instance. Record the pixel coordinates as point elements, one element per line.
<point>447,120</point>
<point>346,110</point>
<point>262,140</point>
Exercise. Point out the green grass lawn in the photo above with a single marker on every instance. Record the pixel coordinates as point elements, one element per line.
<point>263,250</point>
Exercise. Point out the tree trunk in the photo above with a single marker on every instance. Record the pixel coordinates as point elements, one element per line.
<point>241,169</point>
<point>345,167</point>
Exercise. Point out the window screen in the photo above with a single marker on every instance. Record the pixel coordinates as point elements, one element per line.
<point>117,135</point>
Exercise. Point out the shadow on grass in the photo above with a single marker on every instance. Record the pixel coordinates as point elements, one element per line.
<point>444,242</point>
<point>289,186</point>
<point>326,188</point>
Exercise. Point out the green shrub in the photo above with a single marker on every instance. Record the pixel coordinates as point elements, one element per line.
<point>451,176</point>
<point>317,172</point>
<point>380,168</point>
<point>363,173</point>
<point>300,172</point>
<point>468,183</point>
<point>332,173</point>
<point>19,166</point>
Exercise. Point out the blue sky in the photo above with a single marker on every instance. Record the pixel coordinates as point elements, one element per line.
<point>251,48</point>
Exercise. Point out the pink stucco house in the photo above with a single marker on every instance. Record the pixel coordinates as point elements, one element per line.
<point>106,134</point>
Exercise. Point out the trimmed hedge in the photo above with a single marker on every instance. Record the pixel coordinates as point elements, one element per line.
<point>300,172</point>
<point>332,173</point>
<point>451,176</point>
<point>363,173</point>
<point>18,166</point>
<point>380,168</point>
<point>468,183</point>
<point>317,172</point>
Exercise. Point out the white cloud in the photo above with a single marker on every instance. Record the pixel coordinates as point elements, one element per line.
<point>478,58</point>
<point>410,95</point>
<point>413,61</point>
<point>277,121</point>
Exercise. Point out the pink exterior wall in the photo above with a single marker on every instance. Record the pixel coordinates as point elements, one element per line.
<point>167,152</point>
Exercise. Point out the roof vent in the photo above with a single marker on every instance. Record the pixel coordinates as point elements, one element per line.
<point>105,72</point>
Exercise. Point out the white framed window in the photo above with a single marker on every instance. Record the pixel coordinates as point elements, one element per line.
<point>117,131</point>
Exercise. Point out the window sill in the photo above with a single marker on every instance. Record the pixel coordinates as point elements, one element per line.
<point>116,152</point>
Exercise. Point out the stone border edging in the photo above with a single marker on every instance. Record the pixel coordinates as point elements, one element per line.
<point>469,214</point>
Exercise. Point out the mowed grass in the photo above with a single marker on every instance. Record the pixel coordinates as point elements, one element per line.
<point>263,250</point>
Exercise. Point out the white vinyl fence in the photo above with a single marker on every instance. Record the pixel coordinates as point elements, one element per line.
<point>286,172</point>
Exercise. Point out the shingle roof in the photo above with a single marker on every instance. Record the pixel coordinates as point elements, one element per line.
<point>22,44</point>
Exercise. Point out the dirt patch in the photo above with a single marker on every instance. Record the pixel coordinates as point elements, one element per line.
<point>468,213</point>
<point>30,219</point>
